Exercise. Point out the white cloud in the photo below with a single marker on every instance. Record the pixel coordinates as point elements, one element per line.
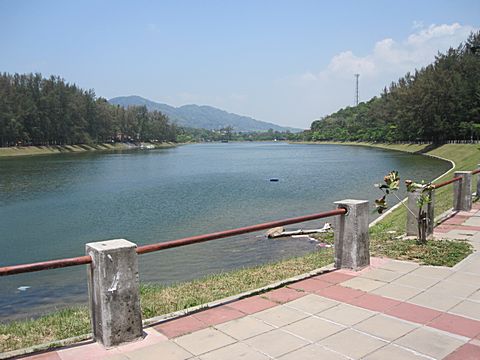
<point>347,62</point>
<point>389,56</point>
<point>327,90</point>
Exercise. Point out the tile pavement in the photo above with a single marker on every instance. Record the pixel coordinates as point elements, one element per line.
<point>391,310</point>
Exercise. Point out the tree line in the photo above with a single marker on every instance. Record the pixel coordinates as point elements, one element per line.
<point>438,103</point>
<point>49,111</point>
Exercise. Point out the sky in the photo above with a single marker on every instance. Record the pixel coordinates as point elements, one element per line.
<point>285,62</point>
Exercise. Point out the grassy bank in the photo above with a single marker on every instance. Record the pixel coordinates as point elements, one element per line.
<point>157,300</point>
<point>65,149</point>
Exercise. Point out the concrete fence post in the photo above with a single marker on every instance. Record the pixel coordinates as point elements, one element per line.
<point>478,184</point>
<point>412,222</point>
<point>352,242</point>
<point>113,288</point>
<point>462,191</point>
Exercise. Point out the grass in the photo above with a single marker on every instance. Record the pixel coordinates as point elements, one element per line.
<point>157,299</point>
<point>62,149</point>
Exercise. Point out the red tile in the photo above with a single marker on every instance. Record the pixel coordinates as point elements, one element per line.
<point>457,325</point>
<point>334,277</point>
<point>310,285</point>
<point>465,352</point>
<point>374,302</point>
<point>218,315</point>
<point>456,220</point>
<point>51,355</point>
<point>252,304</point>
<point>86,351</point>
<point>445,228</point>
<point>414,313</point>
<point>283,295</point>
<point>182,326</point>
<point>340,293</point>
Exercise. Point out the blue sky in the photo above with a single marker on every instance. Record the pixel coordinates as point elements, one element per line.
<point>287,62</point>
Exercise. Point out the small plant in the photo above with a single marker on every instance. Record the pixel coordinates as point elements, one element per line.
<point>392,184</point>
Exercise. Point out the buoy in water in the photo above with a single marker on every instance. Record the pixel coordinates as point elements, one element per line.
<point>273,179</point>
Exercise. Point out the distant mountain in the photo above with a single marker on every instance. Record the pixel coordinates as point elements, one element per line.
<point>203,117</point>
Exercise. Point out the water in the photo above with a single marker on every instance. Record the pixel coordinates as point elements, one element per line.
<point>50,206</point>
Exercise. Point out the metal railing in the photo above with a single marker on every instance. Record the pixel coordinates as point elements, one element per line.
<point>144,249</point>
<point>445,183</point>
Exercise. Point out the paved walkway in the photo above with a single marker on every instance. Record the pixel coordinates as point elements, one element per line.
<point>391,310</point>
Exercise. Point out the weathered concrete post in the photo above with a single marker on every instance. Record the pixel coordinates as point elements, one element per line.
<point>412,222</point>
<point>113,288</point>
<point>462,191</point>
<point>478,184</point>
<point>352,242</point>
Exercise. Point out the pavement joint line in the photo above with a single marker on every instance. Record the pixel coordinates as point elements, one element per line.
<point>334,351</point>
<point>369,335</point>
<point>413,351</point>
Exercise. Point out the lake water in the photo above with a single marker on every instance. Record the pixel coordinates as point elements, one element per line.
<point>50,206</point>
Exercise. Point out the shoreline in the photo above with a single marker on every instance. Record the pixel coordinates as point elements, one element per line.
<point>18,151</point>
<point>158,300</point>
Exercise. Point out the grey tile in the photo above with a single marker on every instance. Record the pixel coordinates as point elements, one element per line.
<point>430,342</point>
<point>312,352</point>
<point>397,292</point>
<point>400,266</point>
<point>313,328</point>
<point>395,353</point>
<point>237,351</point>
<point>385,327</point>
<point>352,343</point>
<point>364,284</point>
<point>412,280</point>
<point>433,300</point>
<point>312,303</point>
<point>204,341</point>
<point>276,343</point>
<point>384,275</point>
<point>346,314</point>
<point>280,315</point>
<point>244,328</point>
<point>467,308</point>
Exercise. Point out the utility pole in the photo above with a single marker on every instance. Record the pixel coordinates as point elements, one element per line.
<point>356,89</point>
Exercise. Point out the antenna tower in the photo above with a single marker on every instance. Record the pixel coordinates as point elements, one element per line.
<point>356,89</point>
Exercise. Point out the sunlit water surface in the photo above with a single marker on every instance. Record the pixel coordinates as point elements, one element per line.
<point>50,206</point>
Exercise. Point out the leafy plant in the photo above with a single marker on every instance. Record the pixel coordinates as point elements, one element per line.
<point>392,184</point>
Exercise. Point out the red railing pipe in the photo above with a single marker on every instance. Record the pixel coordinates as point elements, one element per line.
<point>83,260</point>
<point>45,265</point>
<point>445,183</point>
<point>475,171</point>
<point>227,233</point>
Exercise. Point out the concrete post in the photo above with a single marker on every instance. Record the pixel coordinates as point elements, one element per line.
<point>412,222</point>
<point>352,242</point>
<point>462,191</point>
<point>113,288</point>
<point>478,184</point>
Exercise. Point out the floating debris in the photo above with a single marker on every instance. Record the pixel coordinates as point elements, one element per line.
<point>23,288</point>
<point>274,179</point>
<point>280,231</point>
<point>324,245</point>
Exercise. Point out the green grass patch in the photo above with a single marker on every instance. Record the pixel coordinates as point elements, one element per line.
<point>158,300</point>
